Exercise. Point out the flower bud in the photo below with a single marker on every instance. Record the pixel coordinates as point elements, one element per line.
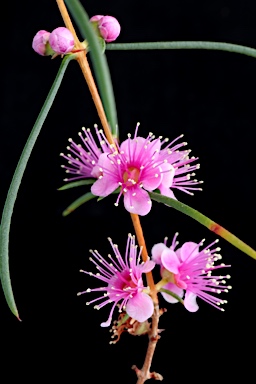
<point>61,40</point>
<point>108,26</point>
<point>40,43</point>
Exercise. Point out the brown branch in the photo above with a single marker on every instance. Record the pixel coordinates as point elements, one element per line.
<point>141,241</point>
<point>85,68</point>
<point>144,373</point>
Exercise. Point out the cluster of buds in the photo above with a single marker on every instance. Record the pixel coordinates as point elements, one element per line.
<point>61,41</point>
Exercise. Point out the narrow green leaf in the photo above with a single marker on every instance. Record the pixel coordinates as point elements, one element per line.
<point>172,294</point>
<point>14,187</point>
<point>99,62</point>
<point>81,200</point>
<point>208,223</point>
<point>76,184</point>
<point>209,45</point>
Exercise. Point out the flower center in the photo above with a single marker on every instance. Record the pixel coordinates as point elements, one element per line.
<point>180,283</point>
<point>173,278</point>
<point>129,284</point>
<point>131,176</point>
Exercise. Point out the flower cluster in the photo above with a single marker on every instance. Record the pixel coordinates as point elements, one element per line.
<point>60,41</point>
<point>184,269</point>
<point>190,269</point>
<point>137,166</point>
<point>124,282</point>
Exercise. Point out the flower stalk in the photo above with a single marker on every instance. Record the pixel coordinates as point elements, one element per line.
<point>144,373</point>
<point>85,68</point>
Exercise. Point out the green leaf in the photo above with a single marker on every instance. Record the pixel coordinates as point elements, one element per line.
<point>208,223</point>
<point>99,62</point>
<point>76,184</point>
<point>14,187</point>
<point>209,45</point>
<point>81,200</point>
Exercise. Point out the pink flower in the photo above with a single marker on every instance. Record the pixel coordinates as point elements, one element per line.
<point>190,269</point>
<point>124,282</point>
<point>140,165</point>
<point>61,40</point>
<point>40,43</point>
<point>177,171</point>
<point>82,162</point>
<point>108,26</point>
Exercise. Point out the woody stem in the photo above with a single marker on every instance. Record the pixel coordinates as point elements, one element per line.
<point>140,237</point>
<point>84,65</point>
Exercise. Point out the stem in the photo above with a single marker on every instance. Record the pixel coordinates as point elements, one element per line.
<point>139,234</point>
<point>84,65</point>
<point>68,22</point>
<point>153,335</point>
<point>210,45</point>
<point>144,373</point>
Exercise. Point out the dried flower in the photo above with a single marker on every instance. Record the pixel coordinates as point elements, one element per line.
<point>108,27</point>
<point>124,282</point>
<point>40,43</point>
<point>140,165</point>
<point>61,40</point>
<point>190,269</point>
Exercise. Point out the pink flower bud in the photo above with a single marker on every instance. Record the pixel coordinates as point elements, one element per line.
<point>96,18</point>
<point>40,43</point>
<point>108,26</point>
<point>61,40</point>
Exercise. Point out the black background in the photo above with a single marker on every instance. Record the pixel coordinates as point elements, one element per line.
<point>208,96</point>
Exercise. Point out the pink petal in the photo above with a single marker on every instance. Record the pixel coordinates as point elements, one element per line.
<point>104,187</point>
<point>147,266</point>
<point>151,178</point>
<point>189,250</point>
<point>156,252</point>
<point>170,260</point>
<point>173,288</point>
<point>132,147</point>
<point>166,192</point>
<point>96,171</point>
<point>108,322</point>
<point>140,307</point>
<point>108,183</point>
<point>135,148</point>
<point>190,302</point>
<point>178,254</point>
<point>167,175</point>
<point>139,204</point>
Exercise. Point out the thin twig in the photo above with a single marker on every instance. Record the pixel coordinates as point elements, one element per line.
<point>144,373</point>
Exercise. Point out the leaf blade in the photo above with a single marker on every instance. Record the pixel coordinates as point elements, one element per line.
<point>78,202</point>
<point>76,184</point>
<point>208,45</point>
<point>206,221</point>
<point>14,187</point>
